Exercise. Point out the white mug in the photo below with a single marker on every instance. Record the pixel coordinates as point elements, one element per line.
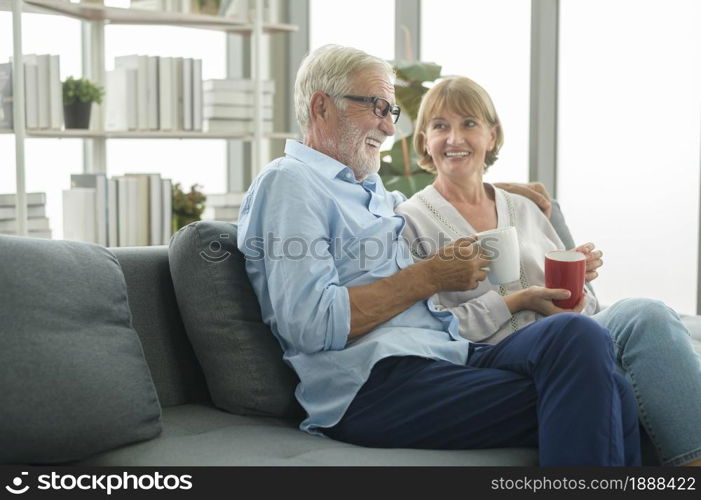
<point>501,245</point>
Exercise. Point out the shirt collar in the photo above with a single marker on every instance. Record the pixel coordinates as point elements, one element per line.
<point>326,166</point>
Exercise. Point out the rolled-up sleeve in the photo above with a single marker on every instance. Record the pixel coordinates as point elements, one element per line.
<point>479,318</point>
<point>284,234</point>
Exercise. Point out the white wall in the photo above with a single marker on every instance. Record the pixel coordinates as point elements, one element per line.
<point>629,132</point>
<point>489,42</point>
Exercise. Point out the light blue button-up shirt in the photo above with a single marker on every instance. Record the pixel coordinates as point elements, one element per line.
<point>309,231</point>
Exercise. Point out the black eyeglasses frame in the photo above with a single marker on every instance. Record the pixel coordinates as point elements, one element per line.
<point>391,109</point>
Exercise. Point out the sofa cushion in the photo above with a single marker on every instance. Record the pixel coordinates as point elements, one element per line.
<point>241,360</point>
<point>197,435</point>
<point>73,378</point>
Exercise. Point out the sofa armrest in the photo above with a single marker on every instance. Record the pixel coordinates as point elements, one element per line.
<point>693,324</point>
<point>156,318</point>
<point>558,222</point>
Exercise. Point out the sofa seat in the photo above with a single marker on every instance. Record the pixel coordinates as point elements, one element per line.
<point>195,434</point>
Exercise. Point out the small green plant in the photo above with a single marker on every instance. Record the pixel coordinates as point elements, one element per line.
<point>81,90</point>
<point>187,207</point>
<point>208,6</point>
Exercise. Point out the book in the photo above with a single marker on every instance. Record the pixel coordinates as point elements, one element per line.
<point>6,118</point>
<point>31,93</point>
<point>7,213</point>
<point>127,195</point>
<point>33,224</point>
<point>147,4</point>
<point>55,93</point>
<point>230,214</point>
<point>223,206</point>
<point>167,213</point>
<point>238,9</point>
<point>234,126</point>
<point>229,84</point>
<point>10,199</point>
<point>196,94</point>
<point>120,99</point>
<point>225,199</point>
<point>154,203</point>
<point>166,94</point>
<point>235,97</point>
<point>98,182</point>
<point>152,92</point>
<point>80,214</point>
<point>140,65</point>
<point>177,75</point>
<point>141,207</point>
<point>112,213</point>
<point>43,88</point>
<point>235,112</point>
<point>186,76</point>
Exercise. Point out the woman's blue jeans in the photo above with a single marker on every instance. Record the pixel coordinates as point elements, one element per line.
<point>654,352</point>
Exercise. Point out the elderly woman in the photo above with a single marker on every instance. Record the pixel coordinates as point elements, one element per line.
<point>458,136</point>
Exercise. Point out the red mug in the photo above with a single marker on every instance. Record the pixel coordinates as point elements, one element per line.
<point>566,269</point>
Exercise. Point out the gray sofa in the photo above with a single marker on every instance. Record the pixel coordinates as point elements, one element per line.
<point>195,431</point>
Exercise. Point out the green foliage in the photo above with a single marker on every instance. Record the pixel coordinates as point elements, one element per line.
<point>187,207</point>
<point>410,88</point>
<point>399,168</point>
<point>81,90</point>
<point>202,3</point>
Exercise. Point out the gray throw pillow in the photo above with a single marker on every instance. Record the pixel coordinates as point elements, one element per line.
<point>73,378</point>
<point>240,357</point>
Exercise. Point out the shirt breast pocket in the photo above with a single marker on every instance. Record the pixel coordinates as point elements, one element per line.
<point>368,250</point>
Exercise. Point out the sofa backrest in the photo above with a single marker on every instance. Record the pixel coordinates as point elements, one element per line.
<point>175,370</point>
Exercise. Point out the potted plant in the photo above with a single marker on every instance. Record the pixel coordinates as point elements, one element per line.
<point>78,96</point>
<point>187,207</point>
<point>209,7</point>
<point>399,168</point>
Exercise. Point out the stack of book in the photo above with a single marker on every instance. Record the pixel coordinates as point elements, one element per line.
<point>244,10</point>
<point>223,206</point>
<point>184,6</point>
<point>43,94</point>
<point>229,106</point>
<point>37,222</point>
<point>6,96</point>
<point>129,210</point>
<point>154,93</point>
<point>239,9</point>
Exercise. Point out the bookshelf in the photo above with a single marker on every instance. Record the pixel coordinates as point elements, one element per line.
<point>144,134</point>
<point>94,18</point>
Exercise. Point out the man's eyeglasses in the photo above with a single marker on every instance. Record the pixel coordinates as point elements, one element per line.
<point>381,107</point>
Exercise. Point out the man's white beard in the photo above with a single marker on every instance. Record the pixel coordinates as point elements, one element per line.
<point>353,152</point>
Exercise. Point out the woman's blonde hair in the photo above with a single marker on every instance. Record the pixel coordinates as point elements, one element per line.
<point>464,97</point>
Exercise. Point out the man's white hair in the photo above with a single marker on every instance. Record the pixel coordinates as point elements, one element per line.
<point>329,69</point>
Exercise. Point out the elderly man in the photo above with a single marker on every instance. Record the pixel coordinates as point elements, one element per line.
<point>378,364</point>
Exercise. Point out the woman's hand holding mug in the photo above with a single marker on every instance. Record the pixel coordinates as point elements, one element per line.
<point>593,259</point>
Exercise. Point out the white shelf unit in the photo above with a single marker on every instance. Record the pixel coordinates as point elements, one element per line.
<point>94,18</point>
